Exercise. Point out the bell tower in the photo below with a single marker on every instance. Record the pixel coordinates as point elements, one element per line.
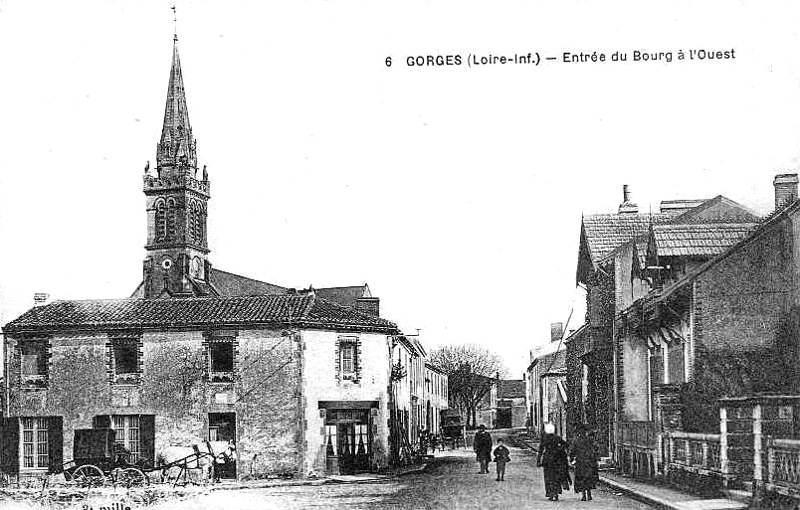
<point>177,197</point>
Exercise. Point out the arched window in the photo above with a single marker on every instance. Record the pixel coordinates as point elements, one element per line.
<point>161,220</point>
<point>199,216</point>
<point>171,213</point>
<point>192,211</point>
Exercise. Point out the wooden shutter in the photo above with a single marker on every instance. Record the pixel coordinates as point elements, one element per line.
<point>147,438</point>
<point>102,421</point>
<point>9,445</point>
<point>55,441</point>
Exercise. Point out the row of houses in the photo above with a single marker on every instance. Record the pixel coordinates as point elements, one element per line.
<point>691,314</point>
<point>301,382</point>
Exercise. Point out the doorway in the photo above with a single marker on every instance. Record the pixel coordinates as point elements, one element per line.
<point>348,442</point>
<point>222,429</point>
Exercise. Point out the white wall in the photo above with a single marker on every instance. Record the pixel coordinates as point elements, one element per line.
<point>320,383</point>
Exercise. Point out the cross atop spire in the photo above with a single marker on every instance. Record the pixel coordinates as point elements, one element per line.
<point>175,21</point>
<point>177,148</point>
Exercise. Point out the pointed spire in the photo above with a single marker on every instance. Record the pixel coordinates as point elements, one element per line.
<point>177,146</point>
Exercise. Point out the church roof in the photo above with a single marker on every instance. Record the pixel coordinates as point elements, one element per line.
<point>109,314</point>
<point>230,284</point>
<point>225,284</point>
<point>345,296</point>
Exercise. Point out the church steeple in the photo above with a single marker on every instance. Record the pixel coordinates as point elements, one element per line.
<point>177,148</point>
<point>177,203</point>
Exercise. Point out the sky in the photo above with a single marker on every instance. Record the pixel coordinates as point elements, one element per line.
<point>456,191</point>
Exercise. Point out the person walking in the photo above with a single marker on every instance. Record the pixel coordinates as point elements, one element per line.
<point>553,459</point>
<point>501,457</point>
<point>482,445</point>
<point>584,455</point>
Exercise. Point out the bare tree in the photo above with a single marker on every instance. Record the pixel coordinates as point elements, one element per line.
<point>471,370</point>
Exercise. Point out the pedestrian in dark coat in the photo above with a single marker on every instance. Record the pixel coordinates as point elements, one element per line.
<point>584,455</point>
<point>483,448</point>
<point>553,459</point>
<point>501,457</point>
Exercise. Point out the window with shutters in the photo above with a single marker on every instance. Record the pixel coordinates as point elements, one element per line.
<point>33,363</point>
<point>347,359</point>
<point>126,428</point>
<point>35,443</point>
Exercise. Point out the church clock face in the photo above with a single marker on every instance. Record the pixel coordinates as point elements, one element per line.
<point>197,267</point>
<point>166,264</point>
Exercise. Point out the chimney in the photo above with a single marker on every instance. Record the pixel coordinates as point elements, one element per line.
<point>785,190</point>
<point>556,330</point>
<point>627,207</point>
<point>369,305</point>
<point>40,298</point>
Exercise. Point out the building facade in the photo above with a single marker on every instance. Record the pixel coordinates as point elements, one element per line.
<point>301,382</point>
<point>612,251</point>
<point>435,398</point>
<point>719,323</point>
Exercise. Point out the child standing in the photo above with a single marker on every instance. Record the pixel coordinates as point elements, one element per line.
<point>501,457</point>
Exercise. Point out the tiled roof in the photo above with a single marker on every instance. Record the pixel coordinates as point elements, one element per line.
<point>229,284</point>
<point>301,311</point>
<point>698,240</point>
<point>225,284</point>
<point>606,232</point>
<point>511,388</point>
<point>346,296</point>
<point>680,206</point>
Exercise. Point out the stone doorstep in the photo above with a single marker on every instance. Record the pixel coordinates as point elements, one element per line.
<point>668,498</point>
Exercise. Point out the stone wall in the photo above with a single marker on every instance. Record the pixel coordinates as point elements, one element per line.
<point>174,386</point>
<point>324,384</point>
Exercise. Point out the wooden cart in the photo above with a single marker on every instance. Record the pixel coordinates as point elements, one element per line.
<point>453,431</point>
<point>97,460</point>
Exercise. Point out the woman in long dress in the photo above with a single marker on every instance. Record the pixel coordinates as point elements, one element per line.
<point>584,455</point>
<point>552,458</point>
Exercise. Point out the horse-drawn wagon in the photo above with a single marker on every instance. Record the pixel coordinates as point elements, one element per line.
<point>97,459</point>
<point>453,431</point>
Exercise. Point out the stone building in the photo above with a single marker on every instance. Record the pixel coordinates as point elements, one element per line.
<point>713,313</point>
<point>546,392</point>
<point>435,397</point>
<point>511,408</point>
<point>284,376</point>
<point>604,276</point>
<point>301,381</point>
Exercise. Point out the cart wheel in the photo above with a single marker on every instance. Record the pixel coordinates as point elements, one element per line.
<point>132,477</point>
<point>87,475</point>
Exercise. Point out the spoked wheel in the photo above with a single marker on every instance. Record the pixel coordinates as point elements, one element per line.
<point>131,477</point>
<point>88,475</point>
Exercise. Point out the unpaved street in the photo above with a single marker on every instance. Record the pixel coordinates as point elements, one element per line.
<point>452,482</point>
